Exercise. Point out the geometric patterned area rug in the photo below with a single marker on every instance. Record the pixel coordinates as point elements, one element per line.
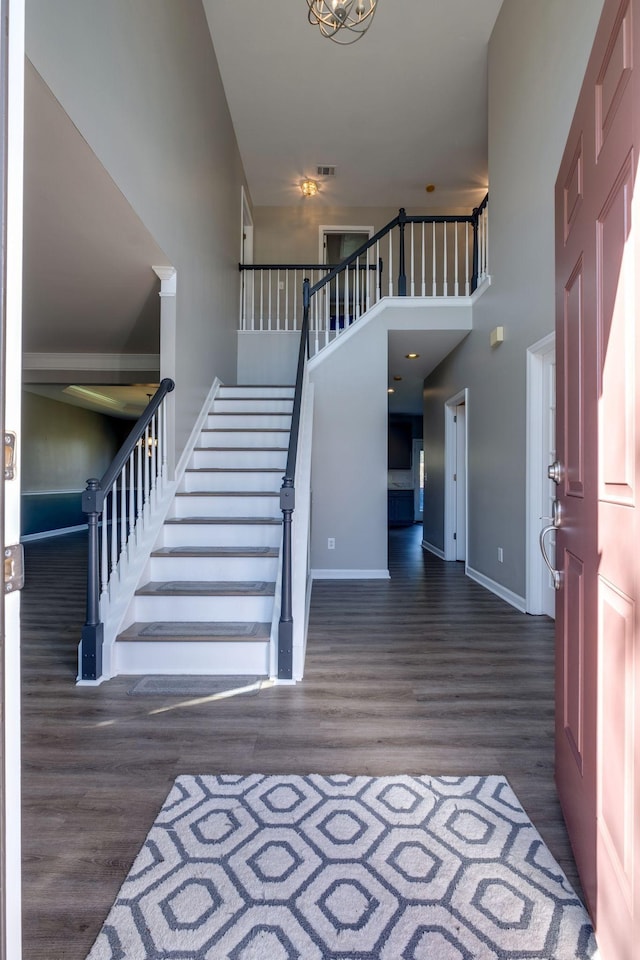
<point>388,868</point>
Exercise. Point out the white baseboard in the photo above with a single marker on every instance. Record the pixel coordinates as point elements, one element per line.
<point>436,551</point>
<point>505,594</point>
<point>58,532</point>
<point>350,574</point>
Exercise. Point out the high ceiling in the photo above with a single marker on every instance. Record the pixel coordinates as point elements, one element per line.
<point>403,107</point>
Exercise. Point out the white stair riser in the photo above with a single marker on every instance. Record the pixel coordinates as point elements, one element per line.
<point>226,609</point>
<point>232,482</point>
<point>242,405</point>
<point>245,438</point>
<point>250,459</point>
<point>221,535</point>
<point>248,421</point>
<point>238,390</point>
<point>214,568</point>
<point>240,658</point>
<point>226,506</point>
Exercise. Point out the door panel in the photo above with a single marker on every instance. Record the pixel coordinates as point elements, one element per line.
<point>597,635</point>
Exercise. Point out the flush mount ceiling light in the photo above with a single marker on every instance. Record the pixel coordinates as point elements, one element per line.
<point>397,378</point>
<point>412,356</point>
<point>343,21</point>
<point>390,390</point>
<point>309,188</point>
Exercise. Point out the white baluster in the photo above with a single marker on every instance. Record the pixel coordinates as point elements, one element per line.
<point>378,279</point>
<point>132,502</point>
<point>486,242</point>
<point>412,286</point>
<point>104,547</point>
<point>286,301</point>
<point>456,285</point>
<point>466,259</point>
<point>243,300</point>
<point>390,265</point>
<point>270,295</point>
<point>147,473</point>
<point>252,274</point>
<point>278,317</point>
<point>139,456</point>
<point>434,288</point>
<point>123,512</point>
<point>445,290</point>
<point>424,266</point>
<point>346,307</point>
<point>326,293</point>
<point>114,528</point>
<point>262,299</point>
<point>164,441</point>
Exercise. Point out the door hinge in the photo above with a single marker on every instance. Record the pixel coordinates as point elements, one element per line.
<point>9,455</point>
<point>455,536</point>
<point>13,568</point>
<point>455,419</point>
<point>455,478</point>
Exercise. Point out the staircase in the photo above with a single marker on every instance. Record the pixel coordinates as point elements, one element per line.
<point>205,604</point>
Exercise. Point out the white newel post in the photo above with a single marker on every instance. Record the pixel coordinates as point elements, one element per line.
<point>168,283</point>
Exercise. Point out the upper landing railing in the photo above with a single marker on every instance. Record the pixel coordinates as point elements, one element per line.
<point>412,256</point>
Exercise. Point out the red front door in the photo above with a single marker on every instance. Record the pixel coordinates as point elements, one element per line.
<point>598,435</point>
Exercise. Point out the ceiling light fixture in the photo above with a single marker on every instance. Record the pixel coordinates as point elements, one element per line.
<point>309,188</point>
<point>412,356</point>
<point>343,21</point>
<point>397,378</point>
<point>390,390</point>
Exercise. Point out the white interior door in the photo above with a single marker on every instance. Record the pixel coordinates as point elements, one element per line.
<point>11,136</point>
<point>461,482</point>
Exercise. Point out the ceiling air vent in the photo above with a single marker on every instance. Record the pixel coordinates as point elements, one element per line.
<point>325,170</point>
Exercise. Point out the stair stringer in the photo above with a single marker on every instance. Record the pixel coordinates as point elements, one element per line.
<point>115,604</point>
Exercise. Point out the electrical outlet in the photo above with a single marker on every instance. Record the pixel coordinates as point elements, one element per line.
<point>500,555</point>
<point>331,543</point>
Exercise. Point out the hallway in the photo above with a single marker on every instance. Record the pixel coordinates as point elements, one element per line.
<point>427,673</point>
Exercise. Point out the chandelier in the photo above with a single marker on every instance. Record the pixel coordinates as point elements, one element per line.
<point>343,21</point>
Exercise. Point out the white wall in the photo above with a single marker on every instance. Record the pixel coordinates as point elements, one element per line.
<point>537,58</point>
<point>141,83</point>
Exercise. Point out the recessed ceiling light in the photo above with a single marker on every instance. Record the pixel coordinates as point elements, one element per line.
<point>412,356</point>
<point>397,378</point>
<point>390,390</point>
<point>430,187</point>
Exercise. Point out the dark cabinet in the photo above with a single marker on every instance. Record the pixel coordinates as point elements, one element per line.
<point>400,504</point>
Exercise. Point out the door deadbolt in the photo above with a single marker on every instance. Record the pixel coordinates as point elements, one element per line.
<point>554,471</point>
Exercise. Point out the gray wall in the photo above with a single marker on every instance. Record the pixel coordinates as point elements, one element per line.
<point>291,234</point>
<point>141,83</point>
<point>62,446</point>
<point>537,58</point>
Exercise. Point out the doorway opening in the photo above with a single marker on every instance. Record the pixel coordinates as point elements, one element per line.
<point>541,451</point>
<point>347,300</point>
<point>455,494</point>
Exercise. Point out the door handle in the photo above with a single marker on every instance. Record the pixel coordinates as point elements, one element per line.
<point>555,574</point>
<point>556,521</point>
<point>554,471</point>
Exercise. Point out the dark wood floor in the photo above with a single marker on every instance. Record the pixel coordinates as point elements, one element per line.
<point>427,673</point>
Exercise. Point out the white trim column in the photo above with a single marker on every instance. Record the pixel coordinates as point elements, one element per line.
<point>168,285</point>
